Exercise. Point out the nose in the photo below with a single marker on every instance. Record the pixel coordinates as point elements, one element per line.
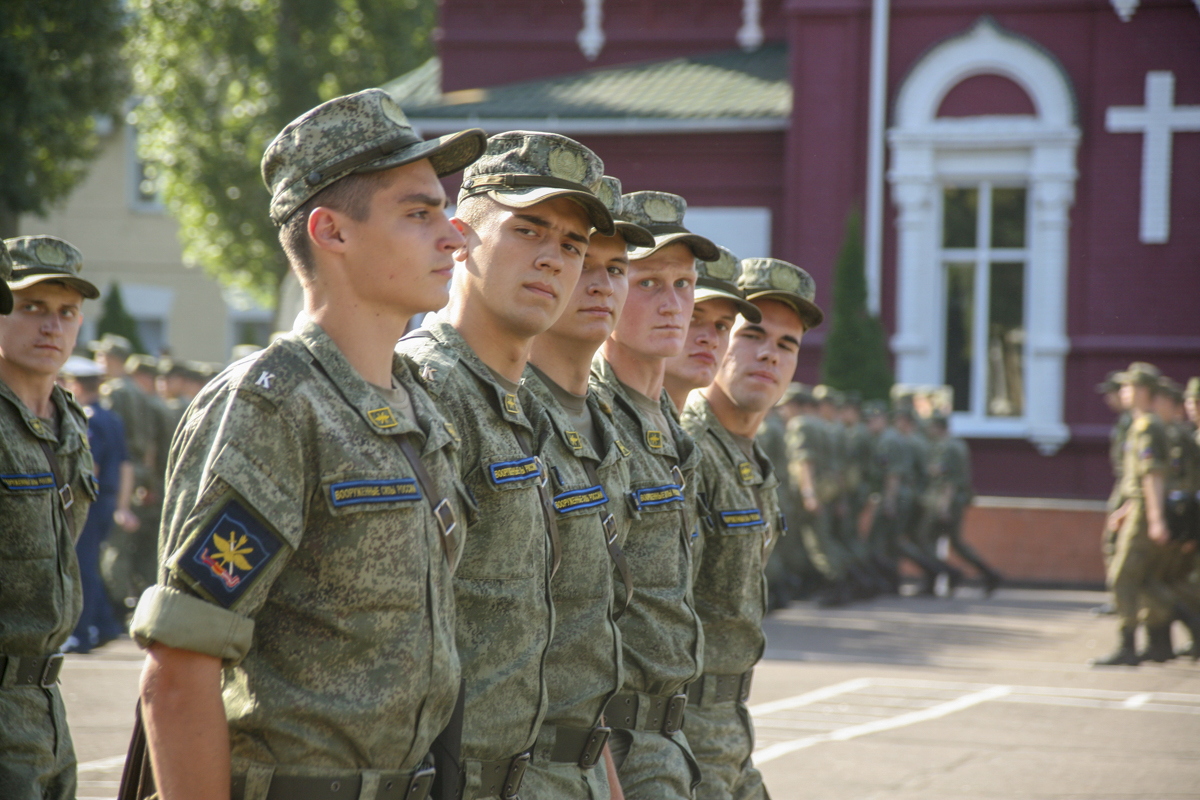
<point>705,334</point>
<point>550,257</point>
<point>51,324</point>
<point>452,238</point>
<point>601,284</point>
<point>672,304</point>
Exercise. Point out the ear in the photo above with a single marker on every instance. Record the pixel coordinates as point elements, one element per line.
<point>326,229</point>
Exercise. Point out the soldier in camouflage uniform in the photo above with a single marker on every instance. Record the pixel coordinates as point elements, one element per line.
<point>526,208</point>
<point>789,567</point>
<point>47,483</point>
<point>714,314</point>
<point>662,639</point>
<point>301,635</point>
<point>147,500</point>
<point>740,519</point>
<point>1139,522</point>
<point>590,478</point>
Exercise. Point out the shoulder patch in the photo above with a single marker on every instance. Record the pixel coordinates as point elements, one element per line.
<point>383,417</point>
<point>274,372</point>
<point>654,439</point>
<point>229,553</point>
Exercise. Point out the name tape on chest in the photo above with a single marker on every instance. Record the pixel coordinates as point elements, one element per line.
<point>580,498</point>
<point>28,482</point>
<point>524,469</point>
<point>392,490</point>
<point>656,496</point>
<point>229,553</point>
<point>742,518</point>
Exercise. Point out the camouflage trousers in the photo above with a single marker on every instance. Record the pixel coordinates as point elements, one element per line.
<point>825,551</point>
<point>652,766</point>
<point>1135,561</point>
<point>724,739</point>
<point>551,780</point>
<point>37,758</point>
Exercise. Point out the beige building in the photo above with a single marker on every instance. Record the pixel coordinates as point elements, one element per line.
<point>128,237</point>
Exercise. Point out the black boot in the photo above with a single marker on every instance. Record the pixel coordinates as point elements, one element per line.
<point>991,582</point>
<point>1158,646</point>
<point>1192,622</point>
<point>1124,656</point>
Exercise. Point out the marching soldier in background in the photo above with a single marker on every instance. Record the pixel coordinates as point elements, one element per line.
<point>663,641</point>
<point>526,209</point>
<point>740,518</point>
<point>301,636</point>
<point>788,563</point>
<point>1110,390</point>
<point>854,475</point>
<point>46,486</point>
<point>590,477</point>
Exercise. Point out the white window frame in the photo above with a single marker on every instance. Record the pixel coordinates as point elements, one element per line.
<point>1037,151</point>
<point>745,230</point>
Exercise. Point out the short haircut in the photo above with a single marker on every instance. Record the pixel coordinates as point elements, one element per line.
<point>477,211</point>
<point>350,195</point>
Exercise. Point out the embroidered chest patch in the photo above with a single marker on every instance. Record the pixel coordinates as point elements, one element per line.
<point>654,439</point>
<point>29,482</point>
<point>580,498</point>
<point>742,519</point>
<point>656,496</point>
<point>746,472</point>
<point>229,553</point>
<point>511,405</point>
<point>383,417</point>
<point>350,493</point>
<point>511,471</point>
<point>573,439</point>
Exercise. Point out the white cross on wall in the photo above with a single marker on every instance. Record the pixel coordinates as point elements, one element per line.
<point>1157,121</point>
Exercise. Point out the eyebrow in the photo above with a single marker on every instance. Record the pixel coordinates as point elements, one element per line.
<point>545,223</point>
<point>425,199</point>
<point>793,340</point>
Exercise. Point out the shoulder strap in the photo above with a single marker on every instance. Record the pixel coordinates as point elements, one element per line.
<point>442,512</point>
<point>63,488</point>
<point>614,549</point>
<point>547,503</point>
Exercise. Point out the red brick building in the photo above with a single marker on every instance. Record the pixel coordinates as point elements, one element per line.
<point>1030,172</point>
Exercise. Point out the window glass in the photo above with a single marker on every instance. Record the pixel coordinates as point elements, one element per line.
<point>959,216</point>
<point>959,320</point>
<point>1008,217</point>
<point>1006,340</point>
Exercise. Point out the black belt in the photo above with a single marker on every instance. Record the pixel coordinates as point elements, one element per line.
<point>664,713</point>
<point>502,778</point>
<point>32,671</point>
<point>721,688</point>
<point>582,746</point>
<point>393,785</point>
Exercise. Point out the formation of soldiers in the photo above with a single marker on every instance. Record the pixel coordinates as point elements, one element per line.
<point>1152,532</point>
<point>866,488</point>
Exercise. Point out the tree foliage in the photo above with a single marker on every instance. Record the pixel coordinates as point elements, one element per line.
<point>219,78</point>
<point>60,66</point>
<point>115,319</point>
<point>855,355</point>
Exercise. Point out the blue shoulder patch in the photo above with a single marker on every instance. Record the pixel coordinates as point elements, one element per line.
<point>230,552</point>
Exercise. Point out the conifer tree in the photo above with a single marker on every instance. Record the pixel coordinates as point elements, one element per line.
<point>855,355</point>
<point>115,319</point>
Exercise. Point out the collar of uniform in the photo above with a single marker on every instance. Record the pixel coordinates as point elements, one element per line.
<point>449,336</point>
<point>71,416</point>
<point>699,408</point>
<point>370,404</point>
<point>557,415</point>
<point>440,432</point>
<point>603,372</point>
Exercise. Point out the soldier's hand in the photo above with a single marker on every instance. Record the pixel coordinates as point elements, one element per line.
<point>127,520</point>
<point>1158,532</point>
<point>811,503</point>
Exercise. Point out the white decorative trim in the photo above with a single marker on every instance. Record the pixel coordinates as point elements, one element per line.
<point>1126,8</point>
<point>632,126</point>
<point>750,36</point>
<point>591,36</point>
<point>1037,151</point>
<point>1157,121</point>
<point>877,121</point>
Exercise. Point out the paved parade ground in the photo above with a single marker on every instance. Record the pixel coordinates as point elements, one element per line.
<point>894,698</point>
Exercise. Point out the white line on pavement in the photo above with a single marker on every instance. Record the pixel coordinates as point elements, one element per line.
<point>103,763</point>
<point>854,731</point>
<point>1137,701</point>
<point>814,696</point>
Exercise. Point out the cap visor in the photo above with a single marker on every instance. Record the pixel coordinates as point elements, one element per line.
<point>745,308</point>
<point>88,290</point>
<point>448,154</point>
<point>701,248</point>
<point>6,299</point>
<point>810,314</point>
<point>597,212</point>
<point>635,235</point>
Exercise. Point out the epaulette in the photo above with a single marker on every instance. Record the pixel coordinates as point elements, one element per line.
<point>432,361</point>
<point>274,374</point>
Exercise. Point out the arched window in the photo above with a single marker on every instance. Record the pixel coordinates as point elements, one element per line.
<point>983,177</point>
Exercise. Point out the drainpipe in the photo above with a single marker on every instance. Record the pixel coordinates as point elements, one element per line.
<point>876,121</point>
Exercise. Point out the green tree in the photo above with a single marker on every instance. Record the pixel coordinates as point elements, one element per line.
<point>855,355</point>
<point>115,319</point>
<point>219,78</point>
<point>60,67</point>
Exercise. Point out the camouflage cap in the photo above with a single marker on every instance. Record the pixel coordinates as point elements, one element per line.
<point>520,169</point>
<point>796,392</point>
<point>1170,388</point>
<point>1140,374</point>
<point>717,280</point>
<point>140,362</point>
<point>828,394</point>
<point>112,343</point>
<point>609,192</point>
<point>772,279</point>
<point>661,213</point>
<point>1193,388</point>
<point>1109,384</point>
<point>6,298</point>
<point>874,408</point>
<point>37,259</point>
<point>362,132</point>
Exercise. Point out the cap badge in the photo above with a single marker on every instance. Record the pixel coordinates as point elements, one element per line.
<point>394,112</point>
<point>51,256</point>
<point>659,210</point>
<point>785,278</point>
<point>567,165</point>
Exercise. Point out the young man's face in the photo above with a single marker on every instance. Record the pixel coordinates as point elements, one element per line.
<point>762,357</point>
<point>595,306</point>
<point>523,263</point>
<point>705,345</point>
<point>401,255</point>
<point>39,335</point>
<point>654,322</point>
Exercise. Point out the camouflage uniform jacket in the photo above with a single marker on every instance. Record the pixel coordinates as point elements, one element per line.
<point>949,464</point>
<point>1183,458</point>
<point>502,587</point>
<point>300,549</point>
<point>830,485</point>
<point>1145,451</point>
<point>808,442</point>
<point>122,397</point>
<point>584,665</point>
<point>741,523</point>
<point>661,632</point>
<point>772,438</point>
<point>856,464</point>
<point>40,594</point>
<point>898,455</point>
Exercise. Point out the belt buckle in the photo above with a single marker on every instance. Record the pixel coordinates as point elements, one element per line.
<point>67,496</point>
<point>444,515</point>
<point>610,529</point>
<point>674,717</point>
<point>51,671</point>
<point>516,771</point>
<point>421,784</point>
<point>594,748</point>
